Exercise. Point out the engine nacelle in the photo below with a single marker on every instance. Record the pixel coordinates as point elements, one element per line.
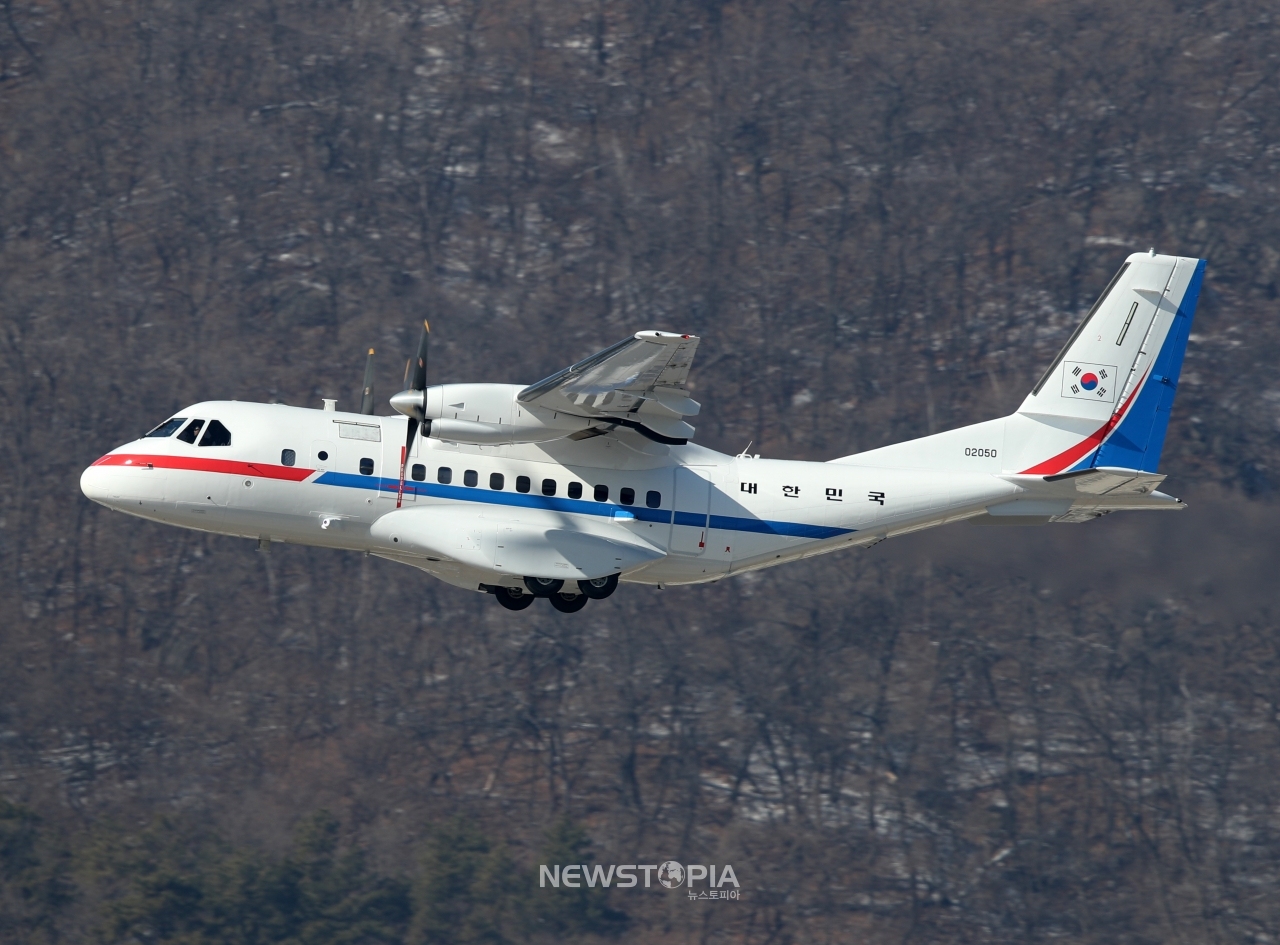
<point>473,431</point>
<point>485,414</point>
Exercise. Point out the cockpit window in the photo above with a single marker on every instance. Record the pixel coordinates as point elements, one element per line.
<point>216,435</point>
<point>168,427</point>
<point>192,431</point>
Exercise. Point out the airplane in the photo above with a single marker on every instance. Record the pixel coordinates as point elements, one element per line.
<point>563,488</point>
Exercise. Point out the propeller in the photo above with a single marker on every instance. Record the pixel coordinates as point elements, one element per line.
<point>416,382</point>
<point>366,400</point>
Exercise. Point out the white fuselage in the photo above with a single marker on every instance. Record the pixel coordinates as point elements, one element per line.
<point>690,514</point>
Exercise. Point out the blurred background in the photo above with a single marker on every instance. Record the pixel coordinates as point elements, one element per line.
<point>884,219</point>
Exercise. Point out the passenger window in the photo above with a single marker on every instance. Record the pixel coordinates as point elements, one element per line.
<point>522,483</point>
<point>496,481</point>
<point>602,493</point>
<point>192,431</point>
<point>653,499</point>
<point>216,435</point>
<point>419,472</point>
<point>444,474</point>
<point>627,496</point>
<point>575,490</point>
<point>322,455</point>
<point>366,466</point>
<point>470,477</point>
<point>548,487</point>
<point>288,457</point>
<point>168,427</point>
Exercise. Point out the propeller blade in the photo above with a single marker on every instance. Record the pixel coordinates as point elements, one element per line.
<point>366,400</point>
<point>404,457</point>
<point>419,380</point>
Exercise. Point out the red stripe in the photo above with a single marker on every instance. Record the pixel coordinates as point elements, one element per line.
<point>1069,457</point>
<point>201,464</point>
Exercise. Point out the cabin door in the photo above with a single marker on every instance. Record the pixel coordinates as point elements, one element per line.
<point>692,506</point>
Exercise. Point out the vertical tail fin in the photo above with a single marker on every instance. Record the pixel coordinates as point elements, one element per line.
<point>1105,399</point>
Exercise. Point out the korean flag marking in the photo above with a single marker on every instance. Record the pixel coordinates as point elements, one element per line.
<point>1084,381</point>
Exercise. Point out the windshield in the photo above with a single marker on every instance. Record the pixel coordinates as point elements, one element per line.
<point>192,431</point>
<point>168,427</point>
<point>216,434</point>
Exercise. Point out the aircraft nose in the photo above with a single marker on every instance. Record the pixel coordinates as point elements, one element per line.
<point>94,485</point>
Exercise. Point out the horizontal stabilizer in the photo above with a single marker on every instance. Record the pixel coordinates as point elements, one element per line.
<point>1109,480</point>
<point>1084,511</point>
<point>1082,495</point>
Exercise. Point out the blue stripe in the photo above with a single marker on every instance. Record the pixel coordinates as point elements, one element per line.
<point>789,529</point>
<point>578,506</point>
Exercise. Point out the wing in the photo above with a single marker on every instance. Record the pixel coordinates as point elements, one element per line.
<point>638,383</point>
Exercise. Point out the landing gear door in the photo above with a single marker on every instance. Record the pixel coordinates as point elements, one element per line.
<point>692,505</point>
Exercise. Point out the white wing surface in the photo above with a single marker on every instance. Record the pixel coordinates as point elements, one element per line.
<point>638,383</point>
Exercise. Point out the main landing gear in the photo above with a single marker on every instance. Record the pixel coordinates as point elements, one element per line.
<point>512,598</point>
<point>566,597</point>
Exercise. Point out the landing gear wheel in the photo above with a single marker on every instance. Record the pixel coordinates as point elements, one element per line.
<point>543,587</point>
<point>568,604</point>
<point>599,588</point>
<point>513,598</point>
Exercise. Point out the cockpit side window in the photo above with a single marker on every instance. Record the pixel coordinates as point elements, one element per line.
<point>216,435</point>
<point>192,431</point>
<point>168,427</point>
